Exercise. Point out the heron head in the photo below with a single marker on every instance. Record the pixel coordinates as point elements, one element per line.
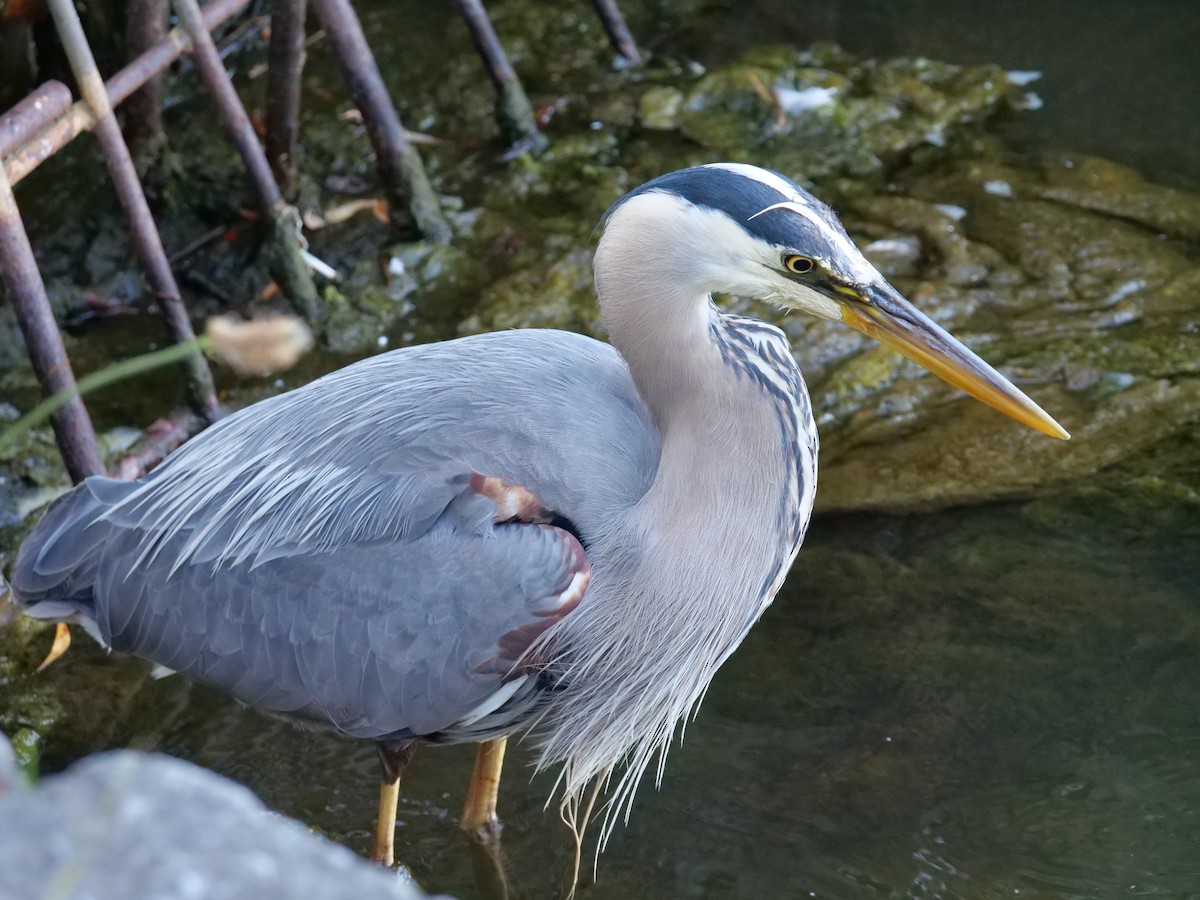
<point>754,233</point>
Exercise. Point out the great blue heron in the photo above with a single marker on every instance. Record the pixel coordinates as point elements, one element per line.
<point>522,531</point>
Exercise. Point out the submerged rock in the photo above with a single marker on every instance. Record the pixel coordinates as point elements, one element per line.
<point>125,824</point>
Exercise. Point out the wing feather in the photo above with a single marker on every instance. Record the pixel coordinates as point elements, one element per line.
<point>326,552</point>
<point>378,640</point>
<point>379,450</point>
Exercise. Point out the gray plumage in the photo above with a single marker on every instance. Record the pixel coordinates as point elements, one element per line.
<point>522,531</point>
<point>269,552</point>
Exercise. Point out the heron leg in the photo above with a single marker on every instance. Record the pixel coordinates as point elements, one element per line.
<point>479,812</point>
<point>394,756</point>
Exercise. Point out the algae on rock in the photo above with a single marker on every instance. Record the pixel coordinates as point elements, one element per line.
<point>1073,275</point>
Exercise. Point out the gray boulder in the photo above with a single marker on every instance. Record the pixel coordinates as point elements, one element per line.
<point>129,825</point>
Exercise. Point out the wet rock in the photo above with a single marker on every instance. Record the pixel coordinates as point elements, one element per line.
<point>1118,191</point>
<point>126,824</point>
<point>360,313</point>
<point>31,472</point>
<point>659,108</point>
<point>1090,314</point>
<point>57,714</point>
<point>823,112</point>
<point>560,296</point>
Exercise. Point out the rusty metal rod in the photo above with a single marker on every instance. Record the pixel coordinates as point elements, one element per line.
<point>143,232</point>
<point>30,116</point>
<point>285,60</point>
<point>145,27</point>
<point>616,29</point>
<point>283,251</point>
<point>27,294</point>
<point>409,193</point>
<point>55,133</point>
<point>229,106</point>
<point>514,112</point>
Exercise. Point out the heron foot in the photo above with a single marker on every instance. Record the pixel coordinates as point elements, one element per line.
<point>486,832</point>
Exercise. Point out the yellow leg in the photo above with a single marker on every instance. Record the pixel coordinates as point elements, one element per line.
<point>479,812</point>
<point>384,851</point>
<point>394,756</point>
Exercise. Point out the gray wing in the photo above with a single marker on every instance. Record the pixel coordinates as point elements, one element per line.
<point>377,451</point>
<point>365,507</point>
<point>381,640</point>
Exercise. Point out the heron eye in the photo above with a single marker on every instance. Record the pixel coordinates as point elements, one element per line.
<point>798,265</point>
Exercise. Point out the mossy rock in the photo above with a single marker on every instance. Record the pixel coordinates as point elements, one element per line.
<point>1088,312</point>
<point>561,296</point>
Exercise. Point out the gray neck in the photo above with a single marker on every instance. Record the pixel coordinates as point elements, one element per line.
<point>682,576</point>
<point>687,571</point>
<point>721,471</point>
<point>667,342</point>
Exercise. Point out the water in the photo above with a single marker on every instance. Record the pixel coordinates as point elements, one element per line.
<point>978,703</point>
<point>989,702</point>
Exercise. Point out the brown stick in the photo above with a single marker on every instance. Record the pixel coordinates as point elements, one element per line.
<point>285,58</point>
<point>409,193</point>
<point>514,112</point>
<point>156,442</point>
<point>72,427</point>
<point>283,248</point>
<point>54,132</point>
<point>616,29</point>
<point>28,117</point>
<point>145,27</point>
<point>229,107</point>
<point>146,241</point>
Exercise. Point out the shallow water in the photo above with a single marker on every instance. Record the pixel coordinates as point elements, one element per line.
<point>987,702</point>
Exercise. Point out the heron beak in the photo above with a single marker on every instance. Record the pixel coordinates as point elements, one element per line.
<point>881,313</point>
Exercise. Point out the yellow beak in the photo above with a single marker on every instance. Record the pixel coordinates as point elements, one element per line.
<point>885,316</point>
